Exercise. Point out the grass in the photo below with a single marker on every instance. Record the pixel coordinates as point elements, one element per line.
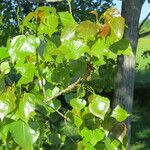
<point>142,76</point>
<point>143,45</point>
<point>141,119</point>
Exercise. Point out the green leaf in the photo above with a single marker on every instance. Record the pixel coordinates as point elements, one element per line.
<point>108,145</point>
<point>111,13</point>
<point>87,134</point>
<point>4,128</point>
<point>47,50</point>
<point>61,75</point>
<point>98,135</point>
<point>7,102</point>
<point>68,33</point>
<point>26,107</point>
<point>115,144</point>
<point>78,121</point>
<point>79,67</point>
<point>54,139</point>
<point>27,72</point>
<point>117,28</point>
<point>21,134</point>
<point>88,146</point>
<point>3,53</point>
<point>54,104</point>
<point>99,49</point>
<point>71,49</point>
<point>4,67</point>
<point>119,114</point>
<point>22,46</point>
<point>67,19</point>
<point>121,47</point>
<point>78,103</point>
<point>99,106</point>
<point>92,136</point>
<point>50,26</point>
<point>87,30</point>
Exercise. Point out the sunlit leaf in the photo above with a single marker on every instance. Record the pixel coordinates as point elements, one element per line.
<point>99,49</point>
<point>22,46</point>
<point>97,135</point>
<point>20,132</point>
<point>68,33</point>
<point>119,114</point>
<point>27,72</point>
<point>26,107</point>
<point>4,67</point>
<point>49,26</point>
<point>77,103</point>
<point>121,47</point>
<point>71,49</point>
<point>111,13</point>
<point>7,102</point>
<point>99,106</point>
<point>3,53</point>
<point>67,19</point>
<point>87,30</point>
<point>117,28</point>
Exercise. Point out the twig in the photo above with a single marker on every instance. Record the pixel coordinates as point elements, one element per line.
<point>40,74</point>
<point>61,114</point>
<point>144,34</point>
<point>68,89</point>
<point>143,22</point>
<point>70,8</point>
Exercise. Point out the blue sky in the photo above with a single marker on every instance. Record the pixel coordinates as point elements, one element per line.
<point>145,8</point>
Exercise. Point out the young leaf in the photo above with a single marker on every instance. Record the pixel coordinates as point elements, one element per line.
<point>87,30</point>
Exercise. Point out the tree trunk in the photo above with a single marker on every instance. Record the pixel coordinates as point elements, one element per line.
<point>123,94</point>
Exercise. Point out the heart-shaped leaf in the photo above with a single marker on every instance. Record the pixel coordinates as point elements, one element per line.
<point>99,106</point>
<point>119,114</point>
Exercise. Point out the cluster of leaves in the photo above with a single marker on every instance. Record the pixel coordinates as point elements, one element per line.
<point>49,103</point>
<point>13,11</point>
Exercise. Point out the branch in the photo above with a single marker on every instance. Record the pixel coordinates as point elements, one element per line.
<point>144,34</point>
<point>68,89</point>
<point>143,22</point>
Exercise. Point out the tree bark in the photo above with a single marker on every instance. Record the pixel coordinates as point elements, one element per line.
<point>123,94</point>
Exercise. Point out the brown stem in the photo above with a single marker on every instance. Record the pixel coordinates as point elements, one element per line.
<point>68,89</point>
